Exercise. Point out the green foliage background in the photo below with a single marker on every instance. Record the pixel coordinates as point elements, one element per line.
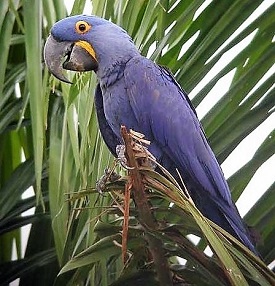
<point>41,146</point>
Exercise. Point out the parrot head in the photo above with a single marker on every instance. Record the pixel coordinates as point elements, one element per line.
<point>85,43</point>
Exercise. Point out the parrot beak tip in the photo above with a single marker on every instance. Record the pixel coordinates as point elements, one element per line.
<point>66,55</point>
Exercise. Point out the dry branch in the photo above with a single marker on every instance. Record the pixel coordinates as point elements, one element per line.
<point>145,215</point>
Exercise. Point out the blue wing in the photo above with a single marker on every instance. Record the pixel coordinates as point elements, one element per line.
<point>162,110</point>
<point>107,133</point>
<point>164,113</point>
<point>147,99</point>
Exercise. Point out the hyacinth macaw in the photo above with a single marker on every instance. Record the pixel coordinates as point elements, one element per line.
<point>135,92</point>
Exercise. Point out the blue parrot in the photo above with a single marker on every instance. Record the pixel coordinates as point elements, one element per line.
<point>135,92</point>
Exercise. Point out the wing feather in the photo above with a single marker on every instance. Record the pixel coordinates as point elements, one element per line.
<point>161,106</point>
<point>165,115</point>
<point>107,133</point>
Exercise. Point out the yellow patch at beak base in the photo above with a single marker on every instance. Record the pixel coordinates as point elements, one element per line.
<point>88,47</point>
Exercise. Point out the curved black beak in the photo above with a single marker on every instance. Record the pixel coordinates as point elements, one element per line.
<point>67,55</point>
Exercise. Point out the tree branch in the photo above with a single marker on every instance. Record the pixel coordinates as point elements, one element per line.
<point>144,212</point>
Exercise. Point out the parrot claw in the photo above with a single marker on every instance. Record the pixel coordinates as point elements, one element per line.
<point>108,176</point>
<point>120,151</point>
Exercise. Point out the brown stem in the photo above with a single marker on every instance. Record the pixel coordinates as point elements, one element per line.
<point>144,213</point>
<point>125,228</point>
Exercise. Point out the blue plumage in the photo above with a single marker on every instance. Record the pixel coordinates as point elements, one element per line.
<point>147,100</point>
<point>135,92</point>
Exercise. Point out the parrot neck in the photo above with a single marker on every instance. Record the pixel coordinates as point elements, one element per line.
<point>112,70</point>
<point>113,48</point>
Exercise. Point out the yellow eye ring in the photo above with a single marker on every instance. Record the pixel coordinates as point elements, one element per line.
<point>82,27</point>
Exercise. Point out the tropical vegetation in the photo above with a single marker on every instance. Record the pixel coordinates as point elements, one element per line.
<point>51,149</point>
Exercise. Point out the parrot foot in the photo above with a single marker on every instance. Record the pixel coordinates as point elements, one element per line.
<point>120,151</point>
<point>108,176</point>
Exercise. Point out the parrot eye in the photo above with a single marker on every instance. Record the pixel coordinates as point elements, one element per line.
<point>82,27</point>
